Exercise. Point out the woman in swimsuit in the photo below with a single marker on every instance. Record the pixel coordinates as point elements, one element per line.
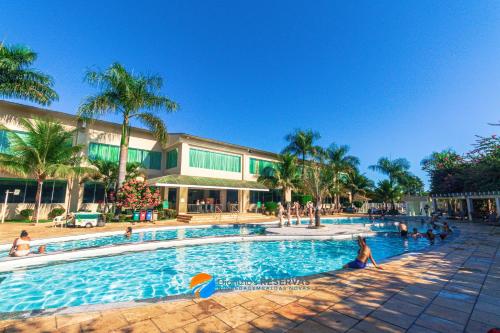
<point>364,253</point>
<point>128,232</point>
<point>21,245</point>
<point>297,212</point>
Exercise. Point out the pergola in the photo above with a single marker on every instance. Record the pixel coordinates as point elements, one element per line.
<point>468,197</point>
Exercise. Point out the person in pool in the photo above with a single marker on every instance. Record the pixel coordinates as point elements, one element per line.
<point>415,234</point>
<point>364,253</point>
<point>128,232</point>
<point>21,246</point>
<point>430,236</point>
<point>403,229</point>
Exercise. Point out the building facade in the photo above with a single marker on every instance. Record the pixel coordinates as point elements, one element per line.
<point>195,174</point>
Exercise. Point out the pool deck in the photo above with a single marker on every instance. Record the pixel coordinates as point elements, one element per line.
<point>453,288</point>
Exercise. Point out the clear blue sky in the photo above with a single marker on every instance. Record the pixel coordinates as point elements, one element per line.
<point>388,78</point>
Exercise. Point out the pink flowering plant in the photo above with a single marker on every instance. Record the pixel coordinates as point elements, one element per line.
<point>135,194</point>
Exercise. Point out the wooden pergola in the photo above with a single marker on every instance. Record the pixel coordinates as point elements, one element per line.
<point>468,197</point>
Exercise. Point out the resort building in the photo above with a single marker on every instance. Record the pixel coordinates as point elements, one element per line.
<point>195,174</point>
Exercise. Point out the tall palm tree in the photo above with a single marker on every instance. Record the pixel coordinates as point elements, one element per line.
<point>43,152</point>
<point>317,182</point>
<point>394,169</point>
<point>128,95</point>
<point>359,183</point>
<point>19,80</point>
<point>341,165</point>
<point>388,191</point>
<point>301,143</point>
<point>284,174</point>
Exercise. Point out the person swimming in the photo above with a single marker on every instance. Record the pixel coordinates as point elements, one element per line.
<point>415,234</point>
<point>364,253</point>
<point>21,245</point>
<point>128,232</point>
<point>430,236</point>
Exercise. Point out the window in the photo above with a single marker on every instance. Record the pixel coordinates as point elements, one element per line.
<point>172,156</point>
<point>93,192</point>
<point>53,191</point>
<point>148,159</point>
<point>256,165</point>
<point>214,161</point>
<point>272,195</point>
<point>5,140</point>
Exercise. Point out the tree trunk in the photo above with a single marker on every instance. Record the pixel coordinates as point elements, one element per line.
<point>303,164</point>
<point>122,167</point>
<point>38,198</point>
<point>317,216</point>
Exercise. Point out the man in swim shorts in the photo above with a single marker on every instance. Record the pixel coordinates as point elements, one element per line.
<point>364,253</point>
<point>403,229</point>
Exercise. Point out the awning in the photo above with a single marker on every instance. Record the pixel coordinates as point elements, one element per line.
<point>206,183</point>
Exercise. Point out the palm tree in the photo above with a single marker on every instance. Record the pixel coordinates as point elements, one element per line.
<point>44,151</point>
<point>341,165</point>
<point>359,183</point>
<point>107,174</point>
<point>284,174</point>
<point>128,95</point>
<point>317,182</point>
<point>394,169</point>
<point>388,191</point>
<point>301,144</point>
<point>19,80</point>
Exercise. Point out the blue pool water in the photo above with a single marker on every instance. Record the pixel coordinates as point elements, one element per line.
<point>158,235</point>
<point>167,272</point>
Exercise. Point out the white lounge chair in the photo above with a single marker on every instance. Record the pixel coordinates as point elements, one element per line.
<point>59,221</point>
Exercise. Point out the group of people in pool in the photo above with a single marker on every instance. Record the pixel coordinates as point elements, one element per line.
<point>365,253</point>
<point>295,206</point>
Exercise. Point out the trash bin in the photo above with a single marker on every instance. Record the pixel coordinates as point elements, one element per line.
<point>155,215</point>
<point>149,215</point>
<point>136,215</point>
<point>142,215</point>
<point>165,204</point>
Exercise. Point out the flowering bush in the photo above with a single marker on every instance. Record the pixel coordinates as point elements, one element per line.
<point>135,194</point>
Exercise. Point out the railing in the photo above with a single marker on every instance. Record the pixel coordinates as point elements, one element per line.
<point>210,208</point>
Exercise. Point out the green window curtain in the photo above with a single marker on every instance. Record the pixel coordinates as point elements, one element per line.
<point>4,142</point>
<point>146,159</point>
<point>134,156</point>
<point>172,156</point>
<point>155,160</point>
<point>257,166</point>
<point>101,151</point>
<point>214,161</point>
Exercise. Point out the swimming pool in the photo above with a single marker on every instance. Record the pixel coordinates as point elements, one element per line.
<point>167,272</point>
<point>155,235</point>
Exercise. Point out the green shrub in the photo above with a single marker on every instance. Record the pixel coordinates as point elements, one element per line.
<point>271,206</point>
<point>27,213</point>
<point>303,199</point>
<point>169,213</point>
<point>56,212</point>
<point>358,204</point>
<point>122,217</point>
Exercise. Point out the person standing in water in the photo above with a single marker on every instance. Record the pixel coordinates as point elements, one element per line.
<point>310,212</point>
<point>296,206</point>
<point>289,214</point>
<point>280,213</point>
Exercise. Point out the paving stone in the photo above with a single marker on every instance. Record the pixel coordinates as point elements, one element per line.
<point>295,312</point>
<point>394,317</point>
<point>439,324</point>
<point>486,317</point>
<point>406,308</point>
<point>207,325</point>
<point>273,323</point>
<point>140,327</point>
<point>70,319</point>
<point>260,306</point>
<point>335,320</point>
<point>245,328</point>
<point>476,326</point>
<point>372,325</point>
<point>108,321</point>
<point>236,316</point>
<point>204,309</point>
<point>170,321</point>
<point>136,314</point>
<point>456,316</point>
<point>311,326</point>
<point>280,299</point>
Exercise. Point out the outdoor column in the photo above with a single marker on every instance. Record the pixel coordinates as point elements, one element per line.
<point>434,204</point>
<point>470,207</point>
<point>182,200</point>
<point>497,203</point>
<point>223,199</point>
<point>288,195</point>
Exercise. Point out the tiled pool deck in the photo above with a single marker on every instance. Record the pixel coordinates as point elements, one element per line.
<point>454,288</point>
